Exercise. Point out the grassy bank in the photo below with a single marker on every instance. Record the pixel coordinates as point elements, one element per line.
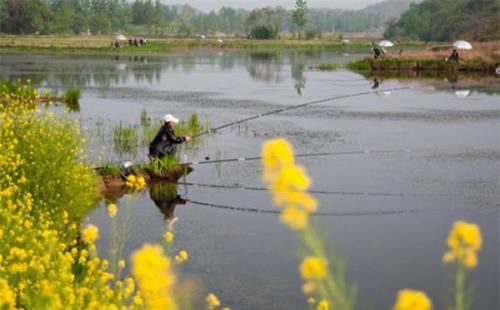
<point>102,44</point>
<point>485,57</point>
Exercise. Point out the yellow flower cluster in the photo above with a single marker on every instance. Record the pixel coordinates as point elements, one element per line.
<point>112,210</point>
<point>169,236</point>
<point>313,268</point>
<point>182,257</point>
<point>464,241</point>
<point>288,183</point>
<point>135,183</point>
<point>44,193</point>
<point>212,301</point>
<point>412,300</point>
<point>90,234</point>
<point>155,277</point>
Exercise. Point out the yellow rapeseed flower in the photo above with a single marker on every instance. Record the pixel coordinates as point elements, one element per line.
<point>169,236</point>
<point>308,287</point>
<point>313,268</point>
<point>90,234</point>
<point>112,210</point>
<point>296,218</point>
<point>135,183</point>
<point>155,277</point>
<point>464,241</point>
<point>7,296</point>
<point>323,305</point>
<point>121,264</point>
<point>212,301</point>
<point>182,256</point>
<point>412,300</point>
<point>277,153</point>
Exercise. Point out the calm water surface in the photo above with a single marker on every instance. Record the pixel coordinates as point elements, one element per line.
<point>387,214</point>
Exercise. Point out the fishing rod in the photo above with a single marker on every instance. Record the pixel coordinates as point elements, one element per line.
<point>319,192</point>
<point>293,107</point>
<point>277,212</point>
<point>252,158</point>
<point>324,214</point>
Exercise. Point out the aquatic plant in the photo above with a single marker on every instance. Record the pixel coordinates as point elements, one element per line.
<point>328,67</point>
<point>125,137</point>
<point>72,99</point>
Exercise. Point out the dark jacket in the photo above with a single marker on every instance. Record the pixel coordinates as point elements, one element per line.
<point>165,142</point>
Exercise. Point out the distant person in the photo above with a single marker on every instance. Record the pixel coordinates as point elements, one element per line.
<point>165,141</point>
<point>130,42</point>
<point>376,83</point>
<point>376,50</point>
<point>454,57</point>
<point>136,42</point>
<point>141,41</point>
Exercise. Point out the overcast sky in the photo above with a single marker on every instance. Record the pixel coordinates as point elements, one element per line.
<point>207,5</point>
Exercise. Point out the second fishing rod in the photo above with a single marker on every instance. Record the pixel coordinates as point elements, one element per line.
<point>297,106</point>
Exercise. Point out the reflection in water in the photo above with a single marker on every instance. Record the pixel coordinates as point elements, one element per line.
<point>165,197</point>
<point>376,83</point>
<point>264,66</point>
<point>297,64</point>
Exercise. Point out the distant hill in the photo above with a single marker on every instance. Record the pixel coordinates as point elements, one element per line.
<point>389,9</point>
<point>446,20</point>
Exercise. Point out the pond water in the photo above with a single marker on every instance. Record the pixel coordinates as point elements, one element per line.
<point>387,214</point>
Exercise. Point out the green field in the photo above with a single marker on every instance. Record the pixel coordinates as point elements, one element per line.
<point>102,44</point>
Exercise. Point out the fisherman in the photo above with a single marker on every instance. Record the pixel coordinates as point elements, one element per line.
<point>165,140</point>
<point>454,57</point>
<point>376,50</point>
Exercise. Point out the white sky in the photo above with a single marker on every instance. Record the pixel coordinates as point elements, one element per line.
<point>207,5</point>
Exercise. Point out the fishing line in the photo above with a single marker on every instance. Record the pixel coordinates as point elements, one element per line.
<point>293,107</point>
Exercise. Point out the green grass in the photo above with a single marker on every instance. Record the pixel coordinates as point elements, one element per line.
<point>72,99</point>
<point>101,44</point>
<point>328,67</point>
<point>424,64</point>
<point>125,137</point>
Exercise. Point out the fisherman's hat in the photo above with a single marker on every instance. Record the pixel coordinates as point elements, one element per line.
<point>170,118</point>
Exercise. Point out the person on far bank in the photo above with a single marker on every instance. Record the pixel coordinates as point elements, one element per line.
<point>165,141</point>
<point>454,57</point>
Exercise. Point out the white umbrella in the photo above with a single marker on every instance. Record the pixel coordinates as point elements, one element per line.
<point>462,93</point>
<point>385,43</point>
<point>220,41</point>
<point>463,45</point>
<point>345,41</point>
<point>121,37</point>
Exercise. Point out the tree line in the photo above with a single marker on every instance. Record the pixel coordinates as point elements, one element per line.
<point>446,20</point>
<point>155,18</point>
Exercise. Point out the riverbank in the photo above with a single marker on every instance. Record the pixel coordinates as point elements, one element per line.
<point>484,58</point>
<point>102,45</point>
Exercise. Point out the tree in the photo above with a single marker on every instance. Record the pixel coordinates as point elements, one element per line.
<point>299,15</point>
<point>266,21</point>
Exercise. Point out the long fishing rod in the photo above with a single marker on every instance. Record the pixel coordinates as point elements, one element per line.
<point>338,214</point>
<point>319,192</point>
<point>237,159</point>
<point>293,107</point>
<point>320,214</point>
